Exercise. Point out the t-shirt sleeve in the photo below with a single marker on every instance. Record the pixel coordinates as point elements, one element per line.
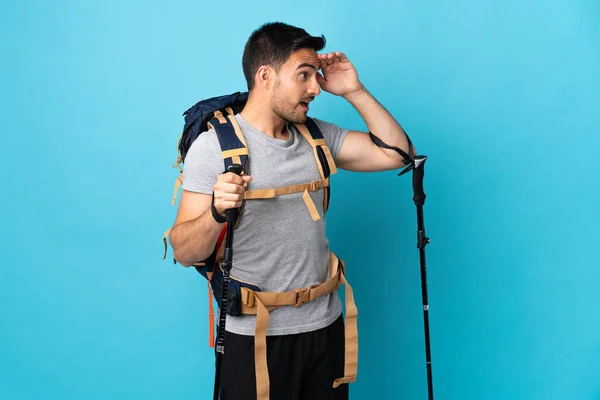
<point>203,164</point>
<point>333,135</point>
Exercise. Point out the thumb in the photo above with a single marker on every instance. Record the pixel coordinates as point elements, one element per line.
<point>246,178</point>
<point>322,81</point>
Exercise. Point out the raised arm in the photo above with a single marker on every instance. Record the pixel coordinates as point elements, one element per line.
<point>359,152</point>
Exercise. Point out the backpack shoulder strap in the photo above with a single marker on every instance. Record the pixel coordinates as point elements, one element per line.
<point>323,156</point>
<point>313,135</point>
<point>233,144</point>
<point>234,148</point>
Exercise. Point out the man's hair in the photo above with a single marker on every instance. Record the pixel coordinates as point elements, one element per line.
<point>272,44</point>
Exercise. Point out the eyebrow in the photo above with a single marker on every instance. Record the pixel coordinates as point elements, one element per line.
<point>306,65</point>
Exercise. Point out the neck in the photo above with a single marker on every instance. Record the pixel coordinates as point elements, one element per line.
<point>261,117</point>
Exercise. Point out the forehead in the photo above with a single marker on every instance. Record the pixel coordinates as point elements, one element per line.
<point>303,56</point>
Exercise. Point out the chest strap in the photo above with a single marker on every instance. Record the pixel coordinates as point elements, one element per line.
<point>261,303</point>
<point>299,188</point>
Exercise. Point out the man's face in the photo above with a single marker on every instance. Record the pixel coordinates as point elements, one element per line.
<point>296,86</point>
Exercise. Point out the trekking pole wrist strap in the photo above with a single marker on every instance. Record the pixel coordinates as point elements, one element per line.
<point>408,158</point>
<point>218,217</point>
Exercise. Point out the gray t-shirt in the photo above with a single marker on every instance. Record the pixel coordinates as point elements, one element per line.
<point>277,245</point>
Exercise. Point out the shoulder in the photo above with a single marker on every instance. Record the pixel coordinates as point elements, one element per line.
<point>333,134</point>
<point>325,125</point>
<point>205,144</point>
<point>203,163</point>
<point>204,156</point>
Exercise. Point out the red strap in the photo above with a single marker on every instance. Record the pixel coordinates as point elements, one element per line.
<point>222,235</point>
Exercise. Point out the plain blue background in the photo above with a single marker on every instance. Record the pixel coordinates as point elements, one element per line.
<point>503,97</point>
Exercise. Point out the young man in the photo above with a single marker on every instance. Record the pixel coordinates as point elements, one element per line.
<point>278,246</point>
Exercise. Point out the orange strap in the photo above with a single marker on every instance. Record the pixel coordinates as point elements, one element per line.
<point>303,188</point>
<point>351,334</point>
<point>319,143</point>
<point>211,318</point>
<point>271,193</point>
<point>310,204</point>
<point>238,130</point>
<point>219,115</point>
<point>178,183</point>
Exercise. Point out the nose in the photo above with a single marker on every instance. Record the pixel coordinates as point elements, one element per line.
<point>314,88</point>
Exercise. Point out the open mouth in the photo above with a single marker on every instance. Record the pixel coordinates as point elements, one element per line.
<point>304,105</point>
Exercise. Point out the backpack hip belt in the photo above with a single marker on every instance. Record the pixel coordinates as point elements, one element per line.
<point>261,303</point>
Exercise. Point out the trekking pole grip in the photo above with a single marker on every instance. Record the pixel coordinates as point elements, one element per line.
<point>232,214</point>
<point>418,173</point>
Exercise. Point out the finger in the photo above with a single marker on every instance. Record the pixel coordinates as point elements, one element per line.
<point>323,64</point>
<point>230,177</point>
<point>234,187</point>
<point>227,205</point>
<point>222,199</point>
<point>336,57</point>
<point>247,179</point>
<point>342,56</point>
<point>328,58</point>
<point>321,80</point>
<point>225,187</point>
<point>224,196</point>
<point>234,204</point>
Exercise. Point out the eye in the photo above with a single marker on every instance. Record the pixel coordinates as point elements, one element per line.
<point>303,75</point>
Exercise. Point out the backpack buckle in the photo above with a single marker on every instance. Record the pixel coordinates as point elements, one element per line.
<point>302,296</point>
<point>247,297</point>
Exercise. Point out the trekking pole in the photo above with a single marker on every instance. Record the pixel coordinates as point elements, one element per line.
<point>231,216</point>
<point>422,241</point>
<point>416,164</point>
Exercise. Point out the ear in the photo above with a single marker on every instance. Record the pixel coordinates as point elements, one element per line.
<point>264,77</point>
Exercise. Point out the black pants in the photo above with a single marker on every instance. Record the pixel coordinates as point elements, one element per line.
<point>301,366</point>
